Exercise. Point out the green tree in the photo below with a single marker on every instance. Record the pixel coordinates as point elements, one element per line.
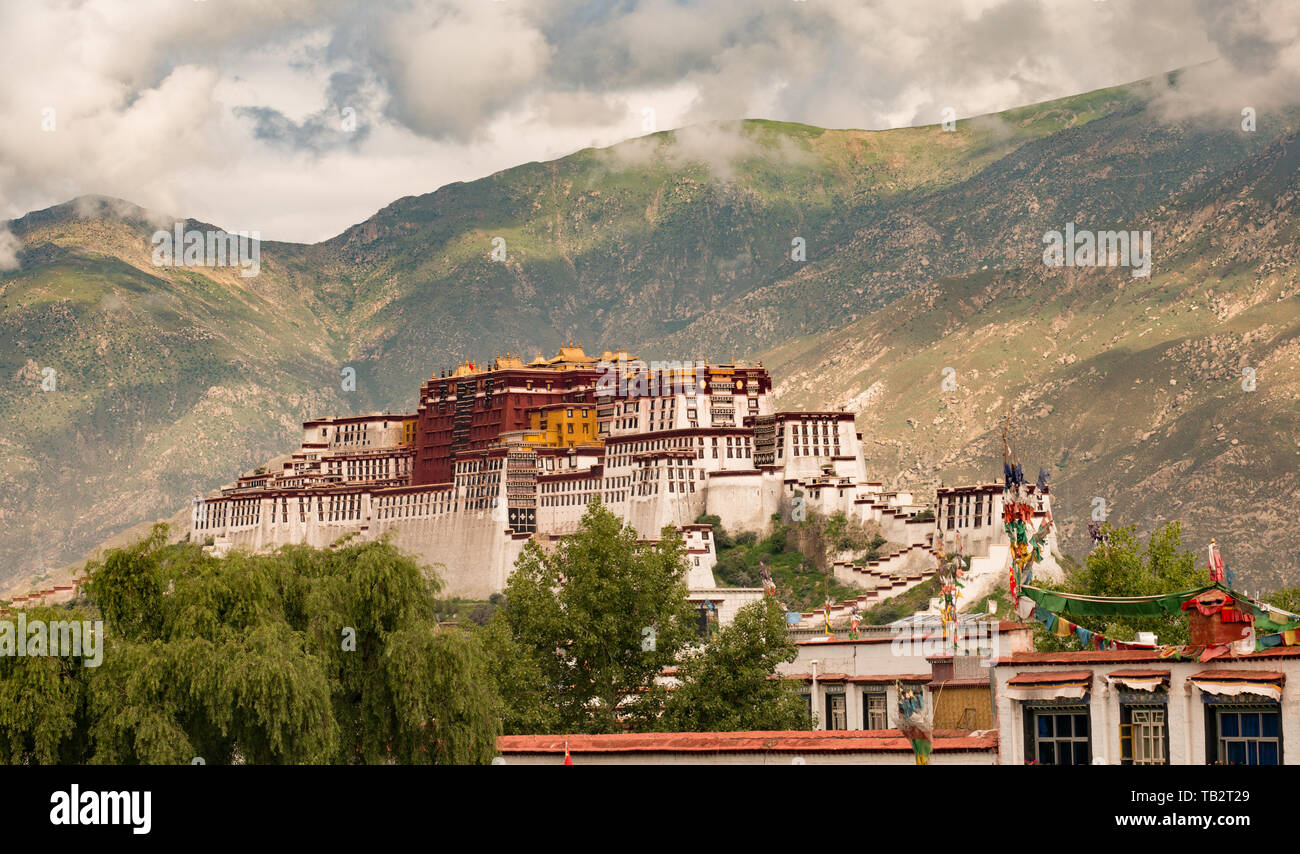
<point>584,610</point>
<point>874,546</point>
<point>43,702</point>
<point>301,656</point>
<point>408,692</point>
<point>721,539</point>
<point>527,701</point>
<point>1125,567</point>
<point>127,586</point>
<point>1288,599</point>
<point>731,684</point>
<point>792,560</point>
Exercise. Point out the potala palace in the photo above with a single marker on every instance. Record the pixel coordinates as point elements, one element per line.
<point>498,454</point>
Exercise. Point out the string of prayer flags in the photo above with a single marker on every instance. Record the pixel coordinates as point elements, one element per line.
<point>1061,627</point>
<point>1018,510</point>
<point>952,568</point>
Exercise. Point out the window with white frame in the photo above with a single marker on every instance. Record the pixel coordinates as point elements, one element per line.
<point>1142,736</point>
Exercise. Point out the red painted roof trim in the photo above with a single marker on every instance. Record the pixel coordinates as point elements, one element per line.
<point>1050,678</point>
<point>839,741</point>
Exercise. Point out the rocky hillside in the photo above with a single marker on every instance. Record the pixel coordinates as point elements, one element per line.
<point>1149,399</point>
<point>923,251</point>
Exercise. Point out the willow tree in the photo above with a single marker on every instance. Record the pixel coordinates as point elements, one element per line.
<point>603,614</point>
<point>43,701</point>
<point>301,656</point>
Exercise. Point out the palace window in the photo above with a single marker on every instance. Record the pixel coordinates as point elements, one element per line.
<point>1058,735</point>
<point>702,623</point>
<point>1144,734</point>
<point>836,708</point>
<point>1244,735</point>
<point>874,714</point>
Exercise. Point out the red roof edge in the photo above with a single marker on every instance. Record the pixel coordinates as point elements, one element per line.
<point>1240,675</point>
<point>887,740</point>
<point>1049,677</point>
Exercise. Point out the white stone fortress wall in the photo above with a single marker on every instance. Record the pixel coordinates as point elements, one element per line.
<point>661,458</point>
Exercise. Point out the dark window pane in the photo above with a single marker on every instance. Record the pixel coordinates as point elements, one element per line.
<point>1063,729</point>
<point>1250,725</point>
<point>1227,724</point>
<point>1081,726</point>
<point>1044,726</point>
<point>1081,753</point>
<point>1268,753</point>
<point>1236,753</point>
<point>1270,724</point>
<point>1046,753</point>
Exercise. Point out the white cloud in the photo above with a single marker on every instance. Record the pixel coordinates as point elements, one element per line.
<point>231,111</point>
<point>9,246</point>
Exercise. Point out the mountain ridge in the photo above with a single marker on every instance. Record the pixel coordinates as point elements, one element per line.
<point>677,245</point>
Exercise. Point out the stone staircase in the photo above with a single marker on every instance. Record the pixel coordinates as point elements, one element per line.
<point>881,580</point>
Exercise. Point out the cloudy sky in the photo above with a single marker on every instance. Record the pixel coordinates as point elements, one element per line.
<point>298,118</point>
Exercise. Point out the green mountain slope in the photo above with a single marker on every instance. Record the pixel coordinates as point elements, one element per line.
<point>923,251</point>
<point>165,380</point>
<point>1131,391</point>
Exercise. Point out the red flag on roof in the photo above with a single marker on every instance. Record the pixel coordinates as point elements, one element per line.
<point>568,760</point>
<point>1216,563</point>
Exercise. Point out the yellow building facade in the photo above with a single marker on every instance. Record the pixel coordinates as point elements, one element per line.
<point>563,425</point>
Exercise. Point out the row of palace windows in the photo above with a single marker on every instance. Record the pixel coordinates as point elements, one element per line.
<point>550,465</point>
<point>210,514</point>
<point>583,498</point>
<point>567,485</point>
<point>338,508</point>
<point>351,434</point>
<point>816,451</point>
<point>415,504</point>
<point>875,708</point>
<point>627,449</point>
<point>1235,733</point>
<point>245,511</point>
<point>373,468</point>
<point>493,464</point>
<point>568,500</point>
<point>967,511</point>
